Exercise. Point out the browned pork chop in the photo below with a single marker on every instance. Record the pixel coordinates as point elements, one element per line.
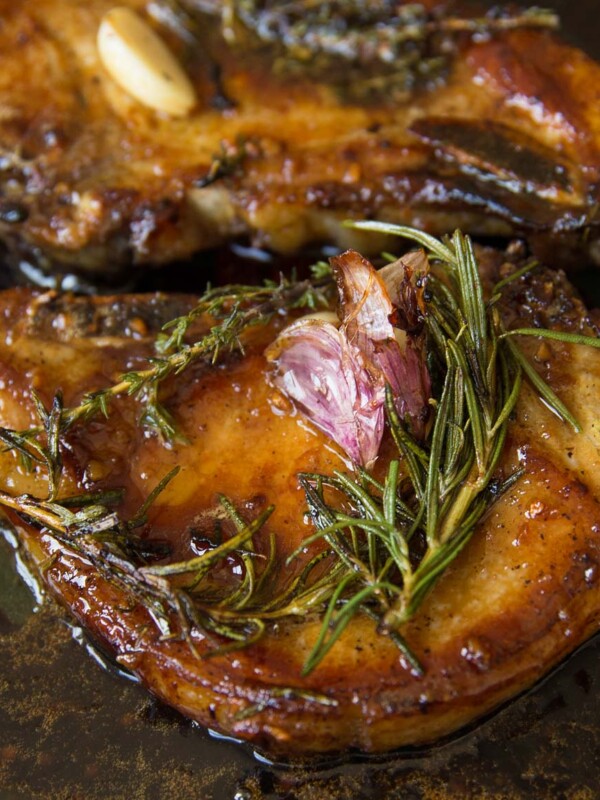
<point>499,136</point>
<point>523,594</point>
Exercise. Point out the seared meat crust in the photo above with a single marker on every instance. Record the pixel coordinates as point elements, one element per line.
<point>520,597</point>
<point>507,142</point>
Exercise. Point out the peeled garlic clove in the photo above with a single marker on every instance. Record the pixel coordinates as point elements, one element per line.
<point>142,64</point>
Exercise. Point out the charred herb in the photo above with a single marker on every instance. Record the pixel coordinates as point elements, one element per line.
<point>180,597</point>
<point>227,162</point>
<point>90,527</point>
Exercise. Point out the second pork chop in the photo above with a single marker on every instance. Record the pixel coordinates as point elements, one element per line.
<point>503,139</point>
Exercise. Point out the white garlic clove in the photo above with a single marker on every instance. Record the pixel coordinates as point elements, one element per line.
<point>142,64</point>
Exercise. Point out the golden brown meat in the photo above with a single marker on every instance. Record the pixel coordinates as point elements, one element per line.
<point>503,140</point>
<point>521,596</point>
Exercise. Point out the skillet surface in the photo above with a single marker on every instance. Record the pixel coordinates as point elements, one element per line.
<point>69,729</point>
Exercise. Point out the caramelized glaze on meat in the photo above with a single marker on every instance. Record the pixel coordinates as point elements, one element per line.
<point>519,598</point>
<point>507,140</point>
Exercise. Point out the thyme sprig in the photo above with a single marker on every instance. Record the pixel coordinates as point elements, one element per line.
<point>232,309</point>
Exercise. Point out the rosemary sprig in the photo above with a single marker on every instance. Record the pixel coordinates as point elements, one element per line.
<point>31,450</point>
<point>396,542</point>
<point>88,526</point>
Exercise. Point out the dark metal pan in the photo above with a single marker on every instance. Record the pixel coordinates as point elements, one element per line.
<point>71,729</point>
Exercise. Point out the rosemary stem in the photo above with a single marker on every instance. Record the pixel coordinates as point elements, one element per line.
<point>469,490</point>
<point>25,504</point>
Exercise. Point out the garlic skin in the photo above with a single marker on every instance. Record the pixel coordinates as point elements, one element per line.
<point>331,383</point>
<point>370,300</point>
<point>336,377</point>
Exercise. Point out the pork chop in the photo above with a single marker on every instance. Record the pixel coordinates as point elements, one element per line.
<point>519,597</point>
<point>497,134</point>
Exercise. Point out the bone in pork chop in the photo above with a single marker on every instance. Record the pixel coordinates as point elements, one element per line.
<point>522,594</point>
<point>295,129</point>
